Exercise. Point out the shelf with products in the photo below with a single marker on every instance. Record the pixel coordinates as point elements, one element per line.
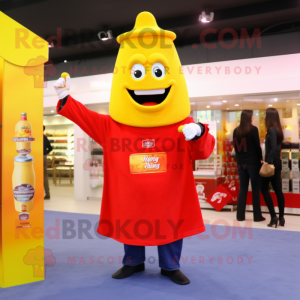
<point>57,136</point>
<point>95,164</point>
<point>61,137</point>
<point>66,152</point>
<point>290,168</point>
<point>59,142</point>
<point>58,133</point>
<point>54,155</point>
<point>60,148</point>
<point>64,137</point>
<point>97,151</point>
<point>60,155</point>
<point>95,148</point>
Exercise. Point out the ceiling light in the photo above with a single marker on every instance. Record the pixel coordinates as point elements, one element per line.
<point>52,111</point>
<point>208,106</point>
<point>236,104</point>
<point>65,61</point>
<point>224,101</point>
<point>298,103</point>
<point>227,108</point>
<point>287,100</point>
<point>206,18</point>
<point>275,99</point>
<point>105,35</point>
<point>257,114</point>
<point>51,45</point>
<point>270,104</point>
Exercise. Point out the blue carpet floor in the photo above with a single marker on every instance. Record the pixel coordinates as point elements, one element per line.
<point>220,265</point>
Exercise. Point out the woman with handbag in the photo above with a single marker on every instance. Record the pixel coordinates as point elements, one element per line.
<point>249,155</point>
<point>273,142</point>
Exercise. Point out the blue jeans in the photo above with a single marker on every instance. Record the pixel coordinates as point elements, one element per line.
<point>169,255</point>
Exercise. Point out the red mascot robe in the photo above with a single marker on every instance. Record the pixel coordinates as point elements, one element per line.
<point>149,195</point>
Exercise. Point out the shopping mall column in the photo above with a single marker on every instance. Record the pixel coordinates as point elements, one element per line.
<point>149,195</point>
<point>22,58</point>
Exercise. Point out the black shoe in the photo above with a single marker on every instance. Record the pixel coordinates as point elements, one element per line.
<point>281,221</point>
<point>240,220</point>
<point>47,198</point>
<point>260,219</point>
<point>274,221</point>
<point>176,276</point>
<point>127,271</point>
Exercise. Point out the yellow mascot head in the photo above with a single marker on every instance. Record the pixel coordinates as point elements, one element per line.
<point>148,88</point>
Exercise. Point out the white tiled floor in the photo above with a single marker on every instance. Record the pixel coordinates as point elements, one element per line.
<point>62,200</point>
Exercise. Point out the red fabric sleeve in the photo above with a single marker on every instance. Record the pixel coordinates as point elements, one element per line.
<point>93,124</point>
<point>203,147</point>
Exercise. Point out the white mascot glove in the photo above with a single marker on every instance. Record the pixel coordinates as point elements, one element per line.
<point>62,87</point>
<point>191,130</point>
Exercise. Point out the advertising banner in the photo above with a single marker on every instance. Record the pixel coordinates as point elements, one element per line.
<point>219,198</point>
<point>22,58</point>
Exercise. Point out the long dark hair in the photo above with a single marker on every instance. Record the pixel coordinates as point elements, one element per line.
<point>272,120</point>
<point>245,125</point>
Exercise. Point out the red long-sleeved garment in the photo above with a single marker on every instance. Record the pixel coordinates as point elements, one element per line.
<point>149,195</point>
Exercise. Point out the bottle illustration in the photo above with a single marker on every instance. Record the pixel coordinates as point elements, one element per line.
<point>23,181</point>
<point>23,178</point>
<point>23,135</point>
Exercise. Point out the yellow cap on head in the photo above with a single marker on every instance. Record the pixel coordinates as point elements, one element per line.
<point>148,88</point>
<point>145,25</point>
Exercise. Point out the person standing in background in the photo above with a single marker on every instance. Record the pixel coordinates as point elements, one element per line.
<point>273,142</point>
<point>47,149</point>
<point>249,155</point>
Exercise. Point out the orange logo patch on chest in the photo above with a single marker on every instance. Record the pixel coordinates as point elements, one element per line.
<point>148,163</point>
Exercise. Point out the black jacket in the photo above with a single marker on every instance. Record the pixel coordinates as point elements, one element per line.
<point>272,153</point>
<point>47,146</point>
<point>248,150</point>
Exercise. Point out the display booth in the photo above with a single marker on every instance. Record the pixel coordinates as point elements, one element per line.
<point>22,58</point>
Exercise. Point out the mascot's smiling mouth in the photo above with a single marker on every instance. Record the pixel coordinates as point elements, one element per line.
<point>149,97</point>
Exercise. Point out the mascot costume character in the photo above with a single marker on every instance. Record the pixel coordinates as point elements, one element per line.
<point>149,142</point>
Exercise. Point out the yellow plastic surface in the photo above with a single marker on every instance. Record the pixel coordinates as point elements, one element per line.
<point>22,58</point>
<point>19,45</point>
<point>180,128</point>
<point>64,76</point>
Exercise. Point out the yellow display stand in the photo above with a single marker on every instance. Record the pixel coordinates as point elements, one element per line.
<point>22,58</point>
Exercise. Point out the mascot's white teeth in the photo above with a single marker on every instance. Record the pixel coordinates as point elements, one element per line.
<point>149,92</point>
